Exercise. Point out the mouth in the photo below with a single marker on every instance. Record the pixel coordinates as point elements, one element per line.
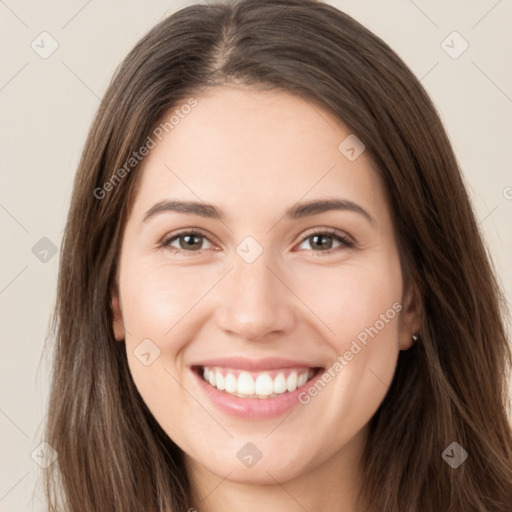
<point>256,385</point>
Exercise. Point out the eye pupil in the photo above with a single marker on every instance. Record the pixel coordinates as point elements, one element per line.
<point>190,241</point>
<point>322,239</point>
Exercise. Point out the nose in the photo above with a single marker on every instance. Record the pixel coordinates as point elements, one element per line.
<point>256,303</point>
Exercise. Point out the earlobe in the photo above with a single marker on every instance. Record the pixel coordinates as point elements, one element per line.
<point>409,343</point>
<point>117,316</point>
<point>411,318</point>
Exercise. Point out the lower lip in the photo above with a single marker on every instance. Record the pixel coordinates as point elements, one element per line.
<point>254,408</point>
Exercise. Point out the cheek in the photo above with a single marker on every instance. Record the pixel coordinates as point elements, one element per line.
<point>157,299</point>
<point>155,303</point>
<point>359,313</point>
<point>351,299</point>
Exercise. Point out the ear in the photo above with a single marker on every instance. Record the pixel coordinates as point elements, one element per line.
<point>411,316</point>
<point>117,315</point>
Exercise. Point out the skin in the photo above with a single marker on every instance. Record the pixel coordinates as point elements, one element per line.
<point>254,154</point>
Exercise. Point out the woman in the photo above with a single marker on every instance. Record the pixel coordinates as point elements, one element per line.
<point>273,293</point>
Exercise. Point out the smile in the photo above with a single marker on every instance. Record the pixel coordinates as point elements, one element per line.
<point>259,385</point>
<point>254,388</point>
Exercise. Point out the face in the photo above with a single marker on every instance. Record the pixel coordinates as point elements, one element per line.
<point>260,256</point>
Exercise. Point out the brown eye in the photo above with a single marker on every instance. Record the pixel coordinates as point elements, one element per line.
<point>187,241</point>
<point>323,241</point>
<point>190,241</point>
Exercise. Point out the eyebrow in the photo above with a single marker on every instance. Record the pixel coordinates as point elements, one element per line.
<point>297,211</point>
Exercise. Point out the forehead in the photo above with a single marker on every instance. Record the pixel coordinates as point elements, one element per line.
<point>255,151</point>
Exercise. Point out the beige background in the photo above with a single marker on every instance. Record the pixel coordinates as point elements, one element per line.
<point>48,104</point>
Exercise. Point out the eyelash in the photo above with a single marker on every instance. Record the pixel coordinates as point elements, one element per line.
<point>346,243</point>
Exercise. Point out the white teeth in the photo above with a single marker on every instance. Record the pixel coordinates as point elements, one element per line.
<point>291,382</point>
<point>280,384</point>
<point>262,386</point>
<point>245,384</point>
<point>230,383</point>
<point>219,379</point>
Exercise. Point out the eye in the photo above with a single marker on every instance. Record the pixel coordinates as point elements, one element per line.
<point>323,240</point>
<point>187,242</point>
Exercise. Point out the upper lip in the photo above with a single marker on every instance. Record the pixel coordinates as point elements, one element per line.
<point>243,363</point>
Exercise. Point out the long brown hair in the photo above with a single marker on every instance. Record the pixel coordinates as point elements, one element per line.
<point>451,386</point>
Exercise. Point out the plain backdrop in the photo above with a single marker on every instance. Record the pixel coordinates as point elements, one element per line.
<point>47,105</point>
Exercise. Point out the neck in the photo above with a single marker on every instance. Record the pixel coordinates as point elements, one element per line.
<point>333,484</point>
